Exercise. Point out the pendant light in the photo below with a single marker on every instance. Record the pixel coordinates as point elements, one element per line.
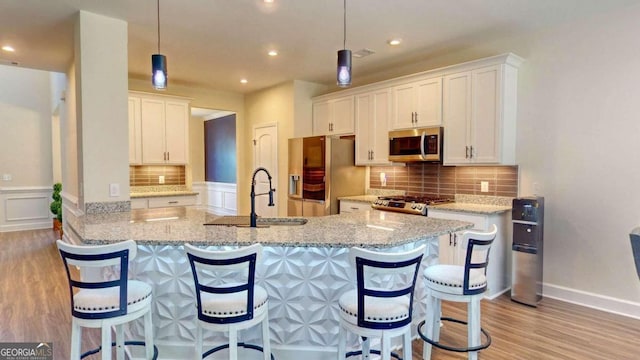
<point>344,56</point>
<point>159,63</point>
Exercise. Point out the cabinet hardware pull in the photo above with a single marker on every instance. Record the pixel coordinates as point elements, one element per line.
<point>416,117</point>
<point>466,152</point>
<point>455,239</point>
<point>471,152</point>
<point>371,154</point>
<point>413,117</point>
<point>173,202</point>
<point>450,241</point>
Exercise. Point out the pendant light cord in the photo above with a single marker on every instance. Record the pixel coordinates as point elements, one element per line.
<point>344,33</point>
<point>158,7</point>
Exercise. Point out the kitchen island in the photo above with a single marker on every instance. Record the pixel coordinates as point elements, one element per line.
<point>304,269</point>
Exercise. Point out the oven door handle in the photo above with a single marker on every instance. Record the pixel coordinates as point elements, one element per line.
<point>422,138</point>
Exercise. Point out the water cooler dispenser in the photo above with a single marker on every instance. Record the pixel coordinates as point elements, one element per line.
<point>527,216</point>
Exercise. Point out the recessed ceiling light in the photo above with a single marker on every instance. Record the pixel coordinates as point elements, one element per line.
<point>8,48</point>
<point>394,42</point>
<point>268,1</point>
<point>273,53</point>
<point>244,81</point>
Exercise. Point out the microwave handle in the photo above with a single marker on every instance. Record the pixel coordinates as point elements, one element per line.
<point>422,153</point>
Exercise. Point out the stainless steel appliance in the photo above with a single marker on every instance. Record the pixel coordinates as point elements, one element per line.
<point>527,215</point>
<point>408,204</point>
<point>321,169</point>
<point>424,144</point>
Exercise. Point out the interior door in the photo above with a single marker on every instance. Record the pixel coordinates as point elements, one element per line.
<point>265,154</point>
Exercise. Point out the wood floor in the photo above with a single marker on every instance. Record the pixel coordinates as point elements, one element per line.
<point>35,308</point>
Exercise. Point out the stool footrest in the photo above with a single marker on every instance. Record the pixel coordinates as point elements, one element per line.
<point>135,343</point>
<point>373,351</point>
<point>452,348</point>
<point>226,346</point>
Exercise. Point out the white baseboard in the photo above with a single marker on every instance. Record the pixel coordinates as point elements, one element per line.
<point>591,300</point>
<point>25,208</point>
<point>27,226</point>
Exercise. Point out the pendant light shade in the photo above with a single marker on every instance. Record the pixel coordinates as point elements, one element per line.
<point>344,68</point>
<point>159,63</point>
<point>344,57</point>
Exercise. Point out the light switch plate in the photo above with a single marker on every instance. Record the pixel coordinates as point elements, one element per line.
<point>6,177</point>
<point>161,179</point>
<point>114,190</point>
<point>484,186</point>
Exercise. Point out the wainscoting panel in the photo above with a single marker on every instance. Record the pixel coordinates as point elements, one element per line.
<point>25,208</point>
<point>218,198</point>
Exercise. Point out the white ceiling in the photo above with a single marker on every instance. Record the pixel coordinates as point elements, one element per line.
<point>215,43</point>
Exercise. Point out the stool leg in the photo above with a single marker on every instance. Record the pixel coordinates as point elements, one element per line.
<point>342,342</point>
<point>386,347</point>
<point>76,336</point>
<point>120,342</point>
<point>148,335</point>
<point>366,348</point>
<point>106,342</point>
<point>431,325</point>
<point>198,350</point>
<point>407,351</point>
<point>266,340</point>
<point>233,344</point>
<point>474,326</point>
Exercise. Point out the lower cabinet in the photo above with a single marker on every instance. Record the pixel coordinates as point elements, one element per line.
<point>347,206</point>
<point>452,251</point>
<point>163,201</point>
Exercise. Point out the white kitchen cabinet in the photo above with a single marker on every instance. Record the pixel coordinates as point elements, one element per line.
<point>334,116</point>
<point>347,206</point>
<point>479,116</point>
<point>417,104</point>
<point>162,201</point>
<point>135,131</point>
<point>164,128</point>
<point>373,110</point>
<point>452,251</point>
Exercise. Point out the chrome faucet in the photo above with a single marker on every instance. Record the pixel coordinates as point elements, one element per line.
<point>253,216</point>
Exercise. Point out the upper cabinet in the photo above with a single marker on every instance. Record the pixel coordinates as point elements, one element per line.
<point>164,129</point>
<point>373,110</point>
<point>480,115</point>
<point>333,116</point>
<point>135,131</point>
<point>418,104</point>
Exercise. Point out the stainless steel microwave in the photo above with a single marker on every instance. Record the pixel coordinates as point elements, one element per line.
<point>423,144</point>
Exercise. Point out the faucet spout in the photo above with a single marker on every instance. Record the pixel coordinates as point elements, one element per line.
<point>253,216</point>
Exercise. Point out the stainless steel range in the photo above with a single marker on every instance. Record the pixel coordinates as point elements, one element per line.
<point>408,204</point>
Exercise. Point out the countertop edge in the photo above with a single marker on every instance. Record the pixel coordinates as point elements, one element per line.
<point>142,195</point>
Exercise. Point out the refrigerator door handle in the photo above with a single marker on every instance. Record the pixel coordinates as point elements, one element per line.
<point>422,138</point>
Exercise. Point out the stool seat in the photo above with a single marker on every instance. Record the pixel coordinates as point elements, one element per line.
<point>234,304</point>
<point>101,300</point>
<point>450,278</point>
<point>380,310</point>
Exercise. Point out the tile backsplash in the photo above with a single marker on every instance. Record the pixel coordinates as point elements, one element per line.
<point>149,175</point>
<point>437,180</point>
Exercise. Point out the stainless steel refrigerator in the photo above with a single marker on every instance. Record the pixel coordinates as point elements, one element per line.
<point>321,169</point>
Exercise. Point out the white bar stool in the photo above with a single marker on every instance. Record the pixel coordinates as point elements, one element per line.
<point>233,306</point>
<point>382,304</point>
<point>459,283</point>
<point>103,304</point>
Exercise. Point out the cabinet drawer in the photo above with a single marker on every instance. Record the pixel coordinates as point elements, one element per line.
<point>352,206</point>
<point>479,221</point>
<point>138,203</point>
<point>158,202</point>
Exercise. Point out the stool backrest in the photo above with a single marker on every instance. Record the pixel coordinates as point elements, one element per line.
<point>239,262</point>
<point>477,256</point>
<point>372,267</point>
<point>635,247</point>
<point>98,257</point>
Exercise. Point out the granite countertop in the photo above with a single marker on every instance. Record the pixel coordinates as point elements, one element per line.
<point>487,209</point>
<point>175,226</point>
<point>148,194</point>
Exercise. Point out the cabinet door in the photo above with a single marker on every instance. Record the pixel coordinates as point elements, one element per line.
<point>153,146</point>
<point>404,106</point>
<point>135,132</point>
<point>485,124</point>
<point>177,132</point>
<point>347,206</point>
<point>342,116</point>
<point>321,118</point>
<point>372,123</point>
<point>428,102</point>
<point>457,117</point>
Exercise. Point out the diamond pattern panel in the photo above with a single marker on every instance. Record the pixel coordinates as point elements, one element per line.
<point>304,285</point>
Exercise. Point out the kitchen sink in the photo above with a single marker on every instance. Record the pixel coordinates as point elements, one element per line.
<point>244,221</point>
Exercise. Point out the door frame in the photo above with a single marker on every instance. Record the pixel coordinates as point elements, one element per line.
<point>274,173</point>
